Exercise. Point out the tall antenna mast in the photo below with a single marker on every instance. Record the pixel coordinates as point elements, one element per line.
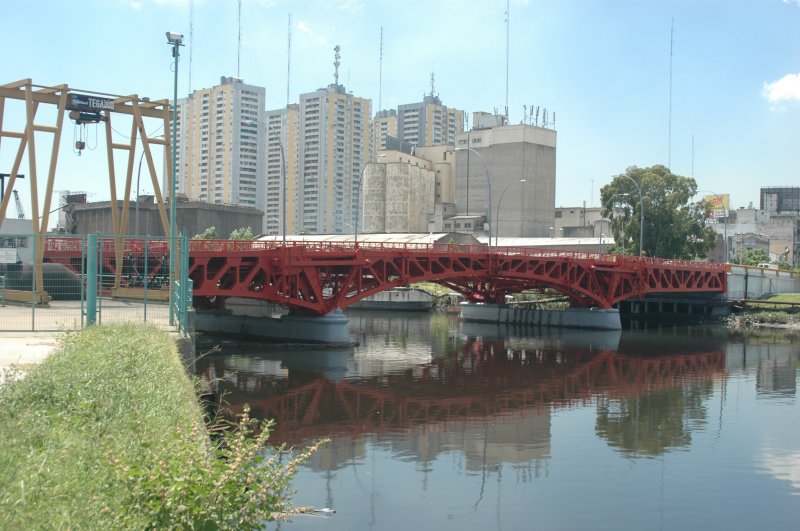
<point>239,49</point>
<point>380,73</point>
<point>191,40</point>
<point>336,63</point>
<point>289,60</point>
<point>508,48</point>
<point>433,84</point>
<point>669,135</point>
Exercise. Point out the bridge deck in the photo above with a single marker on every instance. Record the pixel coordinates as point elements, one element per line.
<point>317,277</point>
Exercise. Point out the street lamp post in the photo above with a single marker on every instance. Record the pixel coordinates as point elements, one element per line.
<point>176,41</point>
<point>641,214</point>
<point>488,187</point>
<point>283,173</point>
<point>358,200</point>
<point>500,202</point>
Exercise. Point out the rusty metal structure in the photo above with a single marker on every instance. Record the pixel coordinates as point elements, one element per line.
<point>82,107</point>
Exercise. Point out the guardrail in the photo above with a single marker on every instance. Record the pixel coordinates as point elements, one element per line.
<point>449,248</point>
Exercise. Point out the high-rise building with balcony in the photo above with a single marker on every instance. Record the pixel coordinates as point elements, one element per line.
<point>219,154</point>
<point>282,134</point>
<point>383,126</point>
<point>429,123</point>
<point>334,142</point>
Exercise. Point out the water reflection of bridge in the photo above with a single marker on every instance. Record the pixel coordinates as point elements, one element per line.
<point>483,378</point>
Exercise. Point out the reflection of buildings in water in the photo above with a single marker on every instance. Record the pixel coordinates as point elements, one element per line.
<point>776,365</point>
<point>521,336</point>
<point>397,340</point>
<point>516,438</point>
<point>480,381</point>
<point>341,451</point>
<point>520,439</point>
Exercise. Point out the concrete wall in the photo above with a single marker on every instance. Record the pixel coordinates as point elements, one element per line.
<point>511,153</point>
<point>755,283</point>
<point>192,218</point>
<point>398,197</point>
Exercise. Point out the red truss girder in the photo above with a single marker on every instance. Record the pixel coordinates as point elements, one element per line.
<point>317,278</point>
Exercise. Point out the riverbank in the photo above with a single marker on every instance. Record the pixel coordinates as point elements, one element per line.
<point>778,311</point>
<point>107,432</point>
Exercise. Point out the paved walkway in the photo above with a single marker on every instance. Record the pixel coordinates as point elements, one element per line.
<point>21,348</point>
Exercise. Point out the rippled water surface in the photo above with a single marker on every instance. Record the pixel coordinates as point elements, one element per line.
<point>439,424</point>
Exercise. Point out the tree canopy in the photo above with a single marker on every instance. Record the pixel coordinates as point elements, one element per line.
<point>242,233</point>
<point>674,227</point>
<point>209,234</point>
<point>751,257</point>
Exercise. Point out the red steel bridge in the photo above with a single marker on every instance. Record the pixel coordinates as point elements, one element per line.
<point>315,278</point>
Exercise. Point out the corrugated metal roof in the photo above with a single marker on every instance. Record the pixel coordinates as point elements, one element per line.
<point>377,238</point>
<point>547,242</point>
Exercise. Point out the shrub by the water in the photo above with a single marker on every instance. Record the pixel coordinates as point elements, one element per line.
<point>108,433</point>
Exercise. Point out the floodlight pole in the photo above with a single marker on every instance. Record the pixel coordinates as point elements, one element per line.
<point>176,40</point>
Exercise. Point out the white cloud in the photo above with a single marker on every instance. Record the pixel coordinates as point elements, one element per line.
<point>784,90</point>
<point>792,2</point>
<point>136,4</point>
<point>313,36</point>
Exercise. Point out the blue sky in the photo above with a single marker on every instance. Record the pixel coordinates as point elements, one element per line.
<point>602,66</point>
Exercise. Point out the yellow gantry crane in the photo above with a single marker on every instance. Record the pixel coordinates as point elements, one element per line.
<point>83,107</point>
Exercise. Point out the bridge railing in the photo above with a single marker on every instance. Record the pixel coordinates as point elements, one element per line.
<point>449,248</point>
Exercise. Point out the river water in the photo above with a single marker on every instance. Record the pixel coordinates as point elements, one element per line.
<point>439,424</point>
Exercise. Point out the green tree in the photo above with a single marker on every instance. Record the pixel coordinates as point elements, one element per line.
<point>674,227</point>
<point>209,234</point>
<point>751,257</point>
<point>242,233</point>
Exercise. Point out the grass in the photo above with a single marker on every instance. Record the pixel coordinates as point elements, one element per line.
<point>108,433</point>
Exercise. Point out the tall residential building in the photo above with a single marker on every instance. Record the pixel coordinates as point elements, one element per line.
<point>383,126</point>
<point>510,153</point>
<point>335,145</point>
<point>282,135</point>
<point>219,156</point>
<point>429,123</point>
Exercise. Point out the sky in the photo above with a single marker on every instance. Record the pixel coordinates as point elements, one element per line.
<point>725,110</point>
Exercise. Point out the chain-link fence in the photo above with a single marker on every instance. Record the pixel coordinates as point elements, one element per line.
<point>129,281</point>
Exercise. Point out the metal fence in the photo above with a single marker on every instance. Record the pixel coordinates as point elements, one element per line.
<point>83,280</point>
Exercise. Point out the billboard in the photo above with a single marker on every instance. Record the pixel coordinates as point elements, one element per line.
<point>719,205</point>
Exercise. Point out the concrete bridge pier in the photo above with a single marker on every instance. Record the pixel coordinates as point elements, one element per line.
<point>588,318</point>
<point>328,329</point>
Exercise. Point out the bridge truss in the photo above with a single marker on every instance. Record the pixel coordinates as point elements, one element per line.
<point>317,277</point>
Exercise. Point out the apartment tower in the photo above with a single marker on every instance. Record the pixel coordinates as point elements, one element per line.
<point>334,147</point>
<point>219,159</point>
<point>429,123</point>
